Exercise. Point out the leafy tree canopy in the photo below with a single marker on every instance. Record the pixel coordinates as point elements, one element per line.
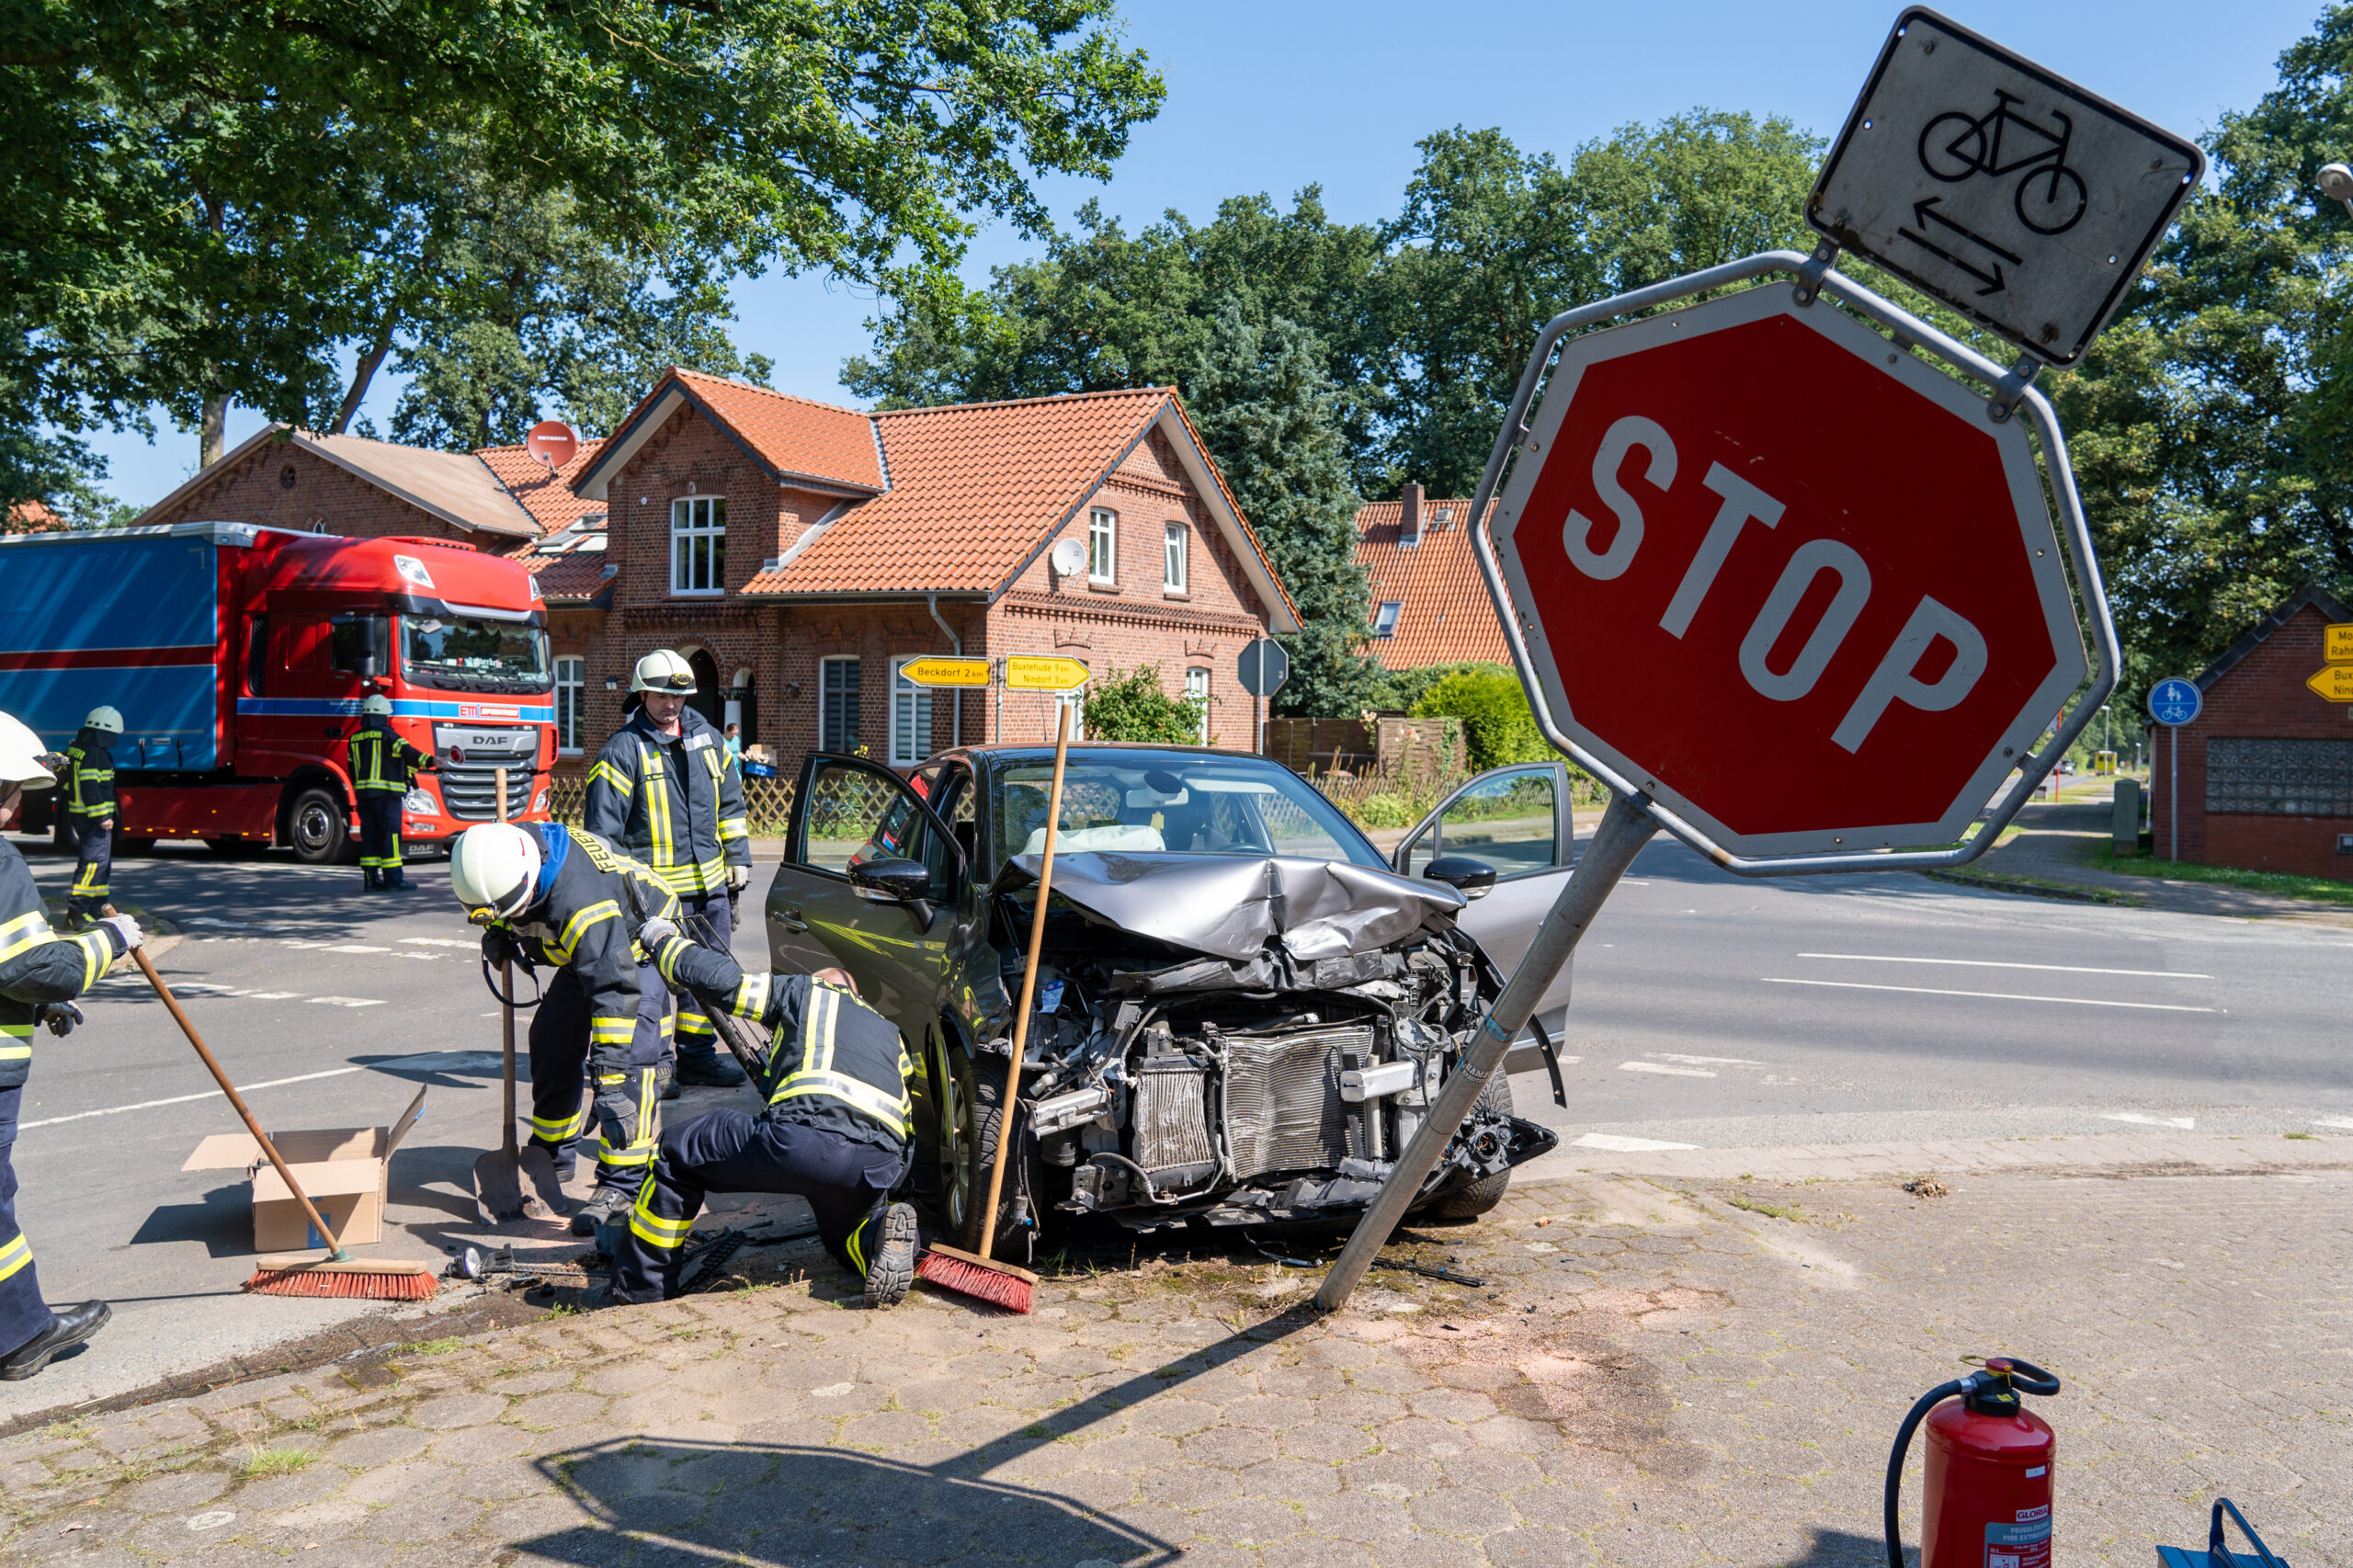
<point>1134,706</point>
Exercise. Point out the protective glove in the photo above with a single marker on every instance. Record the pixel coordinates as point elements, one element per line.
<point>498,946</point>
<point>60,1017</point>
<point>656,932</point>
<point>127,928</point>
<point>738,878</point>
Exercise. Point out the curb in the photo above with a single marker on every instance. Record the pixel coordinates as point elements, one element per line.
<point>2083,1154</point>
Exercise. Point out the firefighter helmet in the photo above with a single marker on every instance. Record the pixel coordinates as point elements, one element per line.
<point>106,721</point>
<point>664,671</point>
<point>24,761</point>
<point>494,869</point>
<point>377,706</point>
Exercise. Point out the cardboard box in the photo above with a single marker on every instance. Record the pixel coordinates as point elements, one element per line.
<point>344,1170</point>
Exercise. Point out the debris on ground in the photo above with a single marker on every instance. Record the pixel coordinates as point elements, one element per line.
<point>1925,1186</point>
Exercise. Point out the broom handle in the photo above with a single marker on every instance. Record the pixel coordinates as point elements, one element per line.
<point>506,1017</point>
<point>1028,991</point>
<point>163,991</point>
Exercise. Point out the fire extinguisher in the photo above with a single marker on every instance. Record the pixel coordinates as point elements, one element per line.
<point>1988,1496</point>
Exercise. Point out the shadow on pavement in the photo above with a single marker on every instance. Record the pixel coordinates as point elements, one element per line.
<point>1837,1549</point>
<point>223,1222</point>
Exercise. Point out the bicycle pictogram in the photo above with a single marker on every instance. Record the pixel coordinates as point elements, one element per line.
<point>1955,146</point>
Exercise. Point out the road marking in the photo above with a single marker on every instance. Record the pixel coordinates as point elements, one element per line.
<point>1988,995</point>
<point>1663,1068</point>
<point>2336,1121</point>
<point>1707,1061</point>
<point>183,1099</point>
<point>348,1000</point>
<point>357,948</point>
<point>1990,963</point>
<point>2184,1122</point>
<point>1621,1145</point>
<point>437,942</point>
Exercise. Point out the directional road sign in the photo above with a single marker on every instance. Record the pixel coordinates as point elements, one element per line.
<point>1263,667</point>
<point>1041,672</point>
<point>2008,192</point>
<point>2339,647</point>
<point>2334,682</point>
<point>2175,700</point>
<point>946,672</point>
<point>1793,582</point>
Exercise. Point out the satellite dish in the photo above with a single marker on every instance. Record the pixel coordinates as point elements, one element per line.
<point>553,443</point>
<point>1069,558</point>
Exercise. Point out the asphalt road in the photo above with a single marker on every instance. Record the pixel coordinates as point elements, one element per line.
<point>1710,1012</point>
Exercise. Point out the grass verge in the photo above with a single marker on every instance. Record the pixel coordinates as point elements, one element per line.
<point>2321,890</point>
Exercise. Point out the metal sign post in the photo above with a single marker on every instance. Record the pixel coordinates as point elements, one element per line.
<point>1262,669</point>
<point>2173,702</point>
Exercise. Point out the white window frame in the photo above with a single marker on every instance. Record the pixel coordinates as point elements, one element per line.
<point>1102,545</point>
<point>824,742</point>
<point>1197,687</point>
<point>687,530</point>
<point>1176,545</point>
<point>571,693</point>
<point>910,712</point>
<point>1384,617</point>
<point>1076,702</point>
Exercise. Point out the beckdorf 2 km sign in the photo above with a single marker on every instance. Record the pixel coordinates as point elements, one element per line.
<point>1789,579</point>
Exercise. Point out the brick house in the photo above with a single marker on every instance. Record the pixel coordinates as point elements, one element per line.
<point>1429,602</point>
<point>2267,767</point>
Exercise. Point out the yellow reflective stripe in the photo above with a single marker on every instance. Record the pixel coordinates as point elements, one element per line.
<point>653,1230</point>
<point>634,1154</point>
<point>857,1252</point>
<point>752,997</point>
<point>14,1256</point>
<point>734,827</point>
<point>577,927</point>
<point>560,1129</point>
<point>611,775</point>
<point>655,782</point>
<point>98,954</point>
<point>14,1032</point>
<point>26,931</point>
<point>612,1032</point>
<point>666,956</point>
<point>864,1096</point>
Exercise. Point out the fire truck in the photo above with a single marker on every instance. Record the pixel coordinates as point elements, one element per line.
<point>238,657</point>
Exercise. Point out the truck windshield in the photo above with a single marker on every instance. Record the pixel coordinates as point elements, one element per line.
<point>474,655</point>
<point>1174,803</point>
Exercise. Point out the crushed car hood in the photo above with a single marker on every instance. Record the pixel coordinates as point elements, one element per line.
<point>1233,906</point>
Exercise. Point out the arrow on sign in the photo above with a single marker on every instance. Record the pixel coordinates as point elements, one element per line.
<point>2335,683</point>
<point>949,672</point>
<point>1924,212</point>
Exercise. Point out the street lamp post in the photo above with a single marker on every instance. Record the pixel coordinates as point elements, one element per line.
<point>2336,184</point>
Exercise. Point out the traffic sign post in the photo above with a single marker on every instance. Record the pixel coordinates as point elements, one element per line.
<point>1262,669</point>
<point>2173,702</point>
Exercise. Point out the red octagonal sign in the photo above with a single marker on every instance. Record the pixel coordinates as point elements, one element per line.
<point>1792,581</point>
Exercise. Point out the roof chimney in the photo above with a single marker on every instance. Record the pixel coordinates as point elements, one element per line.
<point>1409,524</point>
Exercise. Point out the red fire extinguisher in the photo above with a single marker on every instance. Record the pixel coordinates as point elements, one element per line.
<point>1988,1497</point>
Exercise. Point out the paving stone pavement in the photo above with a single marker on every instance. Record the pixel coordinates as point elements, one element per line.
<point>1655,1371</point>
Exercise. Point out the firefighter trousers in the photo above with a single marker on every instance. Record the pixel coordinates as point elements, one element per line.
<point>379,830</point>
<point>93,876</point>
<point>23,1313</point>
<point>697,1036</point>
<point>847,1181</point>
<point>624,1107</point>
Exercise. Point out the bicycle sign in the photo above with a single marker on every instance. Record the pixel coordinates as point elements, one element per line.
<point>2003,190</point>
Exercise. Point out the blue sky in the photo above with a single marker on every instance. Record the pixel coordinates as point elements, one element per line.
<point>1274,95</point>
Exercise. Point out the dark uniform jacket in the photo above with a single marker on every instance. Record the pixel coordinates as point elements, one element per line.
<point>592,900</point>
<point>676,804</point>
<point>832,1061</point>
<point>37,965</point>
<point>380,761</point>
<point>89,788</point>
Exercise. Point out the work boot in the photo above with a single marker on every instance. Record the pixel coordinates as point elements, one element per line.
<point>370,881</point>
<point>66,1329</point>
<point>666,1081</point>
<point>396,880</point>
<point>605,1207</point>
<point>708,1072</point>
<point>888,1239</point>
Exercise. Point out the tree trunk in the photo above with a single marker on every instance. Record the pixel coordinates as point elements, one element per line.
<point>369,363</point>
<point>214,432</point>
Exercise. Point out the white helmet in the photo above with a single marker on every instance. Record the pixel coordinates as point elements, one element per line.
<point>494,869</point>
<point>664,671</point>
<point>22,756</point>
<point>377,706</point>
<point>106,721</point>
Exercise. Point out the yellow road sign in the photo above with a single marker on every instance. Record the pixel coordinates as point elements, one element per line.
<point>2339,649</point>
<point>2335,683</point>
<point>946,672</point>
<point>1039,672</point>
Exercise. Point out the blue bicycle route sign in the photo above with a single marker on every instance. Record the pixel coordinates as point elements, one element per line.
<point>2175,700</point>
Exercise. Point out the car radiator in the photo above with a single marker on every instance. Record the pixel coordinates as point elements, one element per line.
<point>1283,1110</point>
<point>1172,1123</point>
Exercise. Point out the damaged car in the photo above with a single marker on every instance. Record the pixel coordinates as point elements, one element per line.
<point>1243,1010</point>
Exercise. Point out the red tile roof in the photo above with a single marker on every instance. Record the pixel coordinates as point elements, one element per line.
<point>975,488</point>
<point>815,443</point>
<point>32,517</point>
<point>1444,614</point>
<point>549,498</point>
<point>568,579</point>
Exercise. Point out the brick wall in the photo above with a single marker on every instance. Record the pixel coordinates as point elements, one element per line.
<point>2262,696</point>
<point>280,484</point>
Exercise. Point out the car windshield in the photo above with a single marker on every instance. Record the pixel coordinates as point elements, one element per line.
<point>474,655</point>
<point>1173,802</point>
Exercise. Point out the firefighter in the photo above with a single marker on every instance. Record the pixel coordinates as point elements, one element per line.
<point>41,974</point>
<point>545,893</point>
<point>664,789</point>
<point>89,815</point>
<point>381,765</point>
<point>835,1132</point>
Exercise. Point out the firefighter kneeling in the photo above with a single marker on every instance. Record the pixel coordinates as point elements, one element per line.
<point>835,1131</point>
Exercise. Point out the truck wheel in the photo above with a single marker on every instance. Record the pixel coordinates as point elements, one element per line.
<point>975,1091</point>
<point>1470,1202</point>
<point>319,828</point>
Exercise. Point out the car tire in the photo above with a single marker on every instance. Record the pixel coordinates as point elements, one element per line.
<point>319,827</point>
<point>1470,1201</point>
<point>970,1117</point>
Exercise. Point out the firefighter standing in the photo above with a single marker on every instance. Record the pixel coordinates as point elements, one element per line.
<point>41,974</point>
<point>381,766</point>
<point>664,789</point>
<point>89,815</point>
<point>544,893</point>
<point>835,1131</point>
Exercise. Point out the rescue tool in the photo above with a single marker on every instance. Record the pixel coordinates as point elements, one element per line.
<point>1987,1500</point>
<point>498,1175</point>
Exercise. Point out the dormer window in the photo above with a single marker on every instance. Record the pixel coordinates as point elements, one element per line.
<point>699,544</point>
<point>1384,617</point>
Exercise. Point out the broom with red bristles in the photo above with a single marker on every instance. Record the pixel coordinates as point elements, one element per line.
<point>339,1273</point>
<point>951,1268</point>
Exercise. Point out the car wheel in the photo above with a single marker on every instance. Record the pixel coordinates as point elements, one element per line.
<point>970,1117</point>
<point>1470,1201</point>
<point>319,828</point>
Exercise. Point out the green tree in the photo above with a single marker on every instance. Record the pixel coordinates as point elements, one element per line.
<point>1134,706</point>
<point>1265,407</point>
<point>1498,726</point>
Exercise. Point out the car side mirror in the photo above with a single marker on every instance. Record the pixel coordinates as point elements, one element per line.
<point>1472,878</point>
<point>892,881</point>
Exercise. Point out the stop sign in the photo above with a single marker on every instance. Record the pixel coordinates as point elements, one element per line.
<point>1790,580</point>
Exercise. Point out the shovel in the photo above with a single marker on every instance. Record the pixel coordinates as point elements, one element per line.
<point>499,1175</point>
